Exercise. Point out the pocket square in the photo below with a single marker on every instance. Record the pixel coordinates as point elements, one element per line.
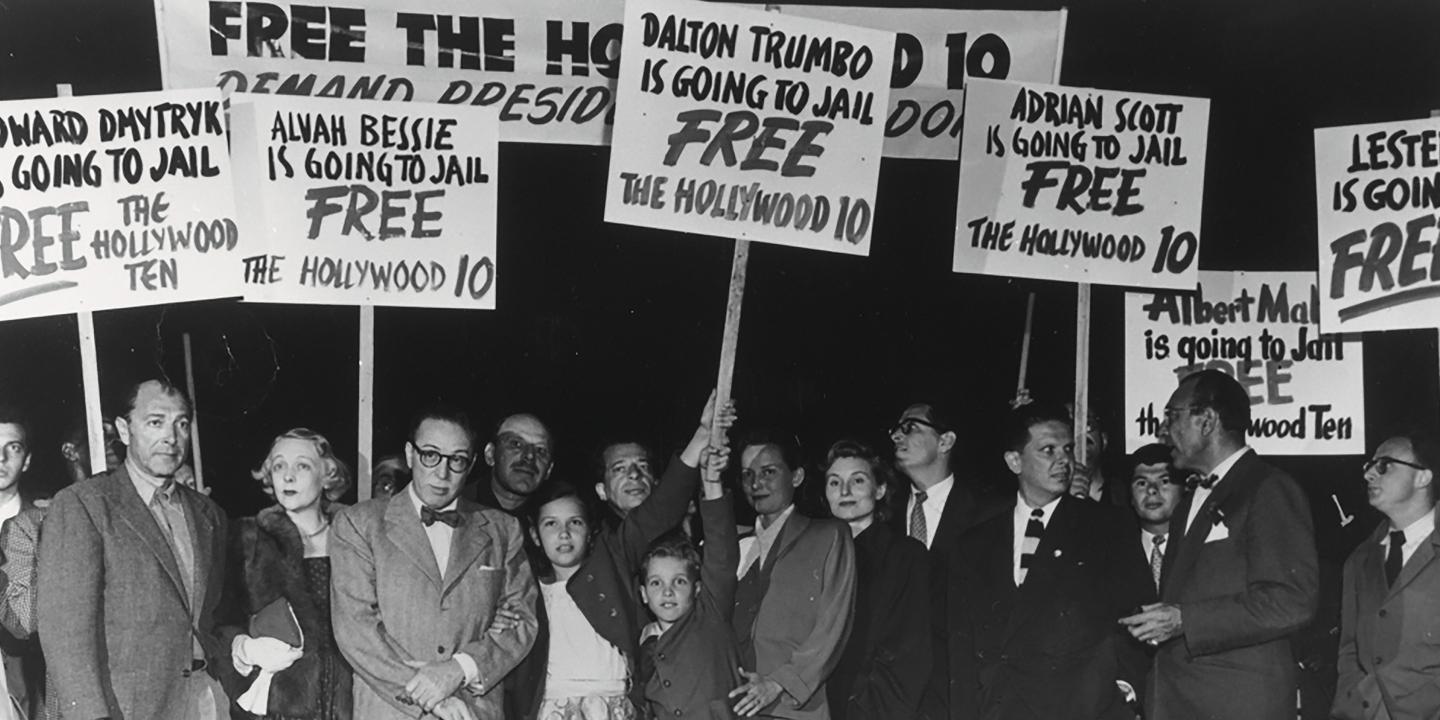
<point>1218,531</point>
<point>487,567</point>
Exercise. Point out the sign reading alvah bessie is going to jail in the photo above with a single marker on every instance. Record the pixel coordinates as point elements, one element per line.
<point>750,124</point>
<point>1378,197</point>
<point>1081,185</point>
<point>113,201</point>
<point>367,202</point>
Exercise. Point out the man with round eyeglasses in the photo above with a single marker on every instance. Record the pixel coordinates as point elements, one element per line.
<point>419,577</point>
<point>1390,603</point>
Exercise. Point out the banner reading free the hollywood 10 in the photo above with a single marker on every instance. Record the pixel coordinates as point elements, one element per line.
<point>114,201</point>
<point>1307,390</point>
<point>1080,185</point>
<point>749,124</point>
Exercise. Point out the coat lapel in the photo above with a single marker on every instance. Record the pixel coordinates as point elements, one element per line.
<point>469,543</point>
<point>202,531</point>
<point>134,515</point>
<point>1179,556</point>
<point>1424,555</point>
<point>1040,578</point>
<point>402,526</point>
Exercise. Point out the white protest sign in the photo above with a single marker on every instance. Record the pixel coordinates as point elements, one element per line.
<point>355,202</point>
<point>1080,185</point>
<point>1377,193</point>
<point>936,51</point>
<point>749,124</point>
<point>546,66</point>
<point>113,201</point>
<point>1307,392</point>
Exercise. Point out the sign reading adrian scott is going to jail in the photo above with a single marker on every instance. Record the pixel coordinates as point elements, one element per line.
<point>114,201</point>
<point>367,202</point>
<point>1081,185</point>
<point>1378,194</point>
<point>1307,393</point>
<point>749,124</point>
<point>547,66</point>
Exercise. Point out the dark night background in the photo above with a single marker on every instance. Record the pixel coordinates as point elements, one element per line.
<point>606,328</point>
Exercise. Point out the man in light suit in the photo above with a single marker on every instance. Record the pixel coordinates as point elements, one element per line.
<point>417,579</point>
<point>130,575</point>
<point>796,593</point>
<point>1390,619</point>
<point>1240,574</point>
<point>1038,590</point>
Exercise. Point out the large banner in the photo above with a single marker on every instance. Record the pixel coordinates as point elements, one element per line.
<point>1080,185</point>
<point>1377,192</point>
<point>936,51</point>
<point>113,201</point>
<point>354,202</point>
<point>546,66</point>
<point>1307,392</point>
<point>749,124</point>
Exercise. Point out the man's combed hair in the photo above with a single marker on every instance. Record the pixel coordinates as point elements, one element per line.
<point>447,413</point>
<point>11,415</point>
<point>673,545</point>
<point>1021,419</point>
<point>1152,454</point>
<point>1216,390</point>
<point>132,395</point>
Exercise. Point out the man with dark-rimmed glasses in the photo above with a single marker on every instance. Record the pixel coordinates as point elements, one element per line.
<point>417,580</point>
<point>1391,598</point>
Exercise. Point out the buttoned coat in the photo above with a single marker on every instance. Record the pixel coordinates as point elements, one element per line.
<point>1246,577</point>
<point>114,618</point>
<point>1389,636</point>
<point>392,609</point>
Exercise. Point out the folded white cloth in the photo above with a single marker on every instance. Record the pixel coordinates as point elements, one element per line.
<point>257,699</point>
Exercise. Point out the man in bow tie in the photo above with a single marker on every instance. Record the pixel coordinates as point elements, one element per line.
<point>417,580</point>
<point>1240,570</point>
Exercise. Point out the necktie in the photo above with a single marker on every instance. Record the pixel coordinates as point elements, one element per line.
<point>429,517</point>
<point>1206,482</point>
<point>1033,530</point>
<point>170,516</point>
<point>917,519</point>
<point>1157,557</point>
<point>1395,559</point>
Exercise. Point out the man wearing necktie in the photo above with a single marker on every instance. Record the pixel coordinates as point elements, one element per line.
<point>1155,490</point>
<point>1240,569</point>
<point>417,579</point>
<point>131,575</point>
<point>1037,591</point>
<point>1390,617</point>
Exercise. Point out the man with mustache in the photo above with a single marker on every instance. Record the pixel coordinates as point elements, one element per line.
<point>520,456</point>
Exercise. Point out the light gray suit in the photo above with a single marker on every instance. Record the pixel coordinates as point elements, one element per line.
<point>391,607</point>
<point>115,621</point>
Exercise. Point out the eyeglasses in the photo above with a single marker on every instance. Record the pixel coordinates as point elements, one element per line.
<point>1382,464</point>
<point>909,425</point>
<point>517,445</point>
<point>1174,412</point>
<point>458,463</point>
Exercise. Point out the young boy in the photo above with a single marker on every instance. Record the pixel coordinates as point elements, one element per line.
<point>690,645</point>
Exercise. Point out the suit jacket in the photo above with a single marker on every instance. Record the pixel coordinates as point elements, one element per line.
<point>1245,577</point>
<point>1389,636</point>
<point>695,660</point>
<point>115,621</point>
<point>798,625</point>
<point>886,664</point>
<point>24,663</point>
<point>1052,648</point>
<point>267,563</point>
<point>391,607</point>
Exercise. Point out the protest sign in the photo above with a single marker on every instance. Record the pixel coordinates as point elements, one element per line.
<point>357,202</point>
<point>547,66</point>
<point>936,51</point>
<point>749,124</point>
<point>1080,185</point>
<point>1377,192</point>
<point>1307,393</point>
<point>113,201</point>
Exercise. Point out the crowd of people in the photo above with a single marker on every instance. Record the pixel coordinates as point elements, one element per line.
<point>1169,592</point>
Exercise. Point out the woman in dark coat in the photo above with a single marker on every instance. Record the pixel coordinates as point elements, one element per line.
<point>283,553</point>
<point>886,662</point>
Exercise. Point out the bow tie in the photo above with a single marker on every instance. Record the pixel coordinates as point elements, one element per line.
<point>1206,482</point>
<point>429,517</point>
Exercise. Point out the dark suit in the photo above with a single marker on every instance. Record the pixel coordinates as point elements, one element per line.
<point>1390,636</point>
<point>1052,648</point>
<point>116,623</point>
<point>1240,597</point>
<point>886,664</point>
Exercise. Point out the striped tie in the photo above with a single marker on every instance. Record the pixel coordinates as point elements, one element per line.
<point>917,519</point>
<point>1033,530</point>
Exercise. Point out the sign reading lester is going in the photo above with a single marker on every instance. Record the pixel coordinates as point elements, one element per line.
<point>1378,196</point>
<point>749,124</point>
<point>113,201</point>
<point>1080,185</point>
<point>367,202</point>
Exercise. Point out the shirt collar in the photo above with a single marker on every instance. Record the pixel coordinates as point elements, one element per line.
<point>769,534</point>
<point>10,508</point>
<point>1223,468</point>
<point>1149,537</point>
<point>416,503</point>
<point>1415,531</point>
<point>1022,511</point>
<point>938,493</point>
<point>146,487</point>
